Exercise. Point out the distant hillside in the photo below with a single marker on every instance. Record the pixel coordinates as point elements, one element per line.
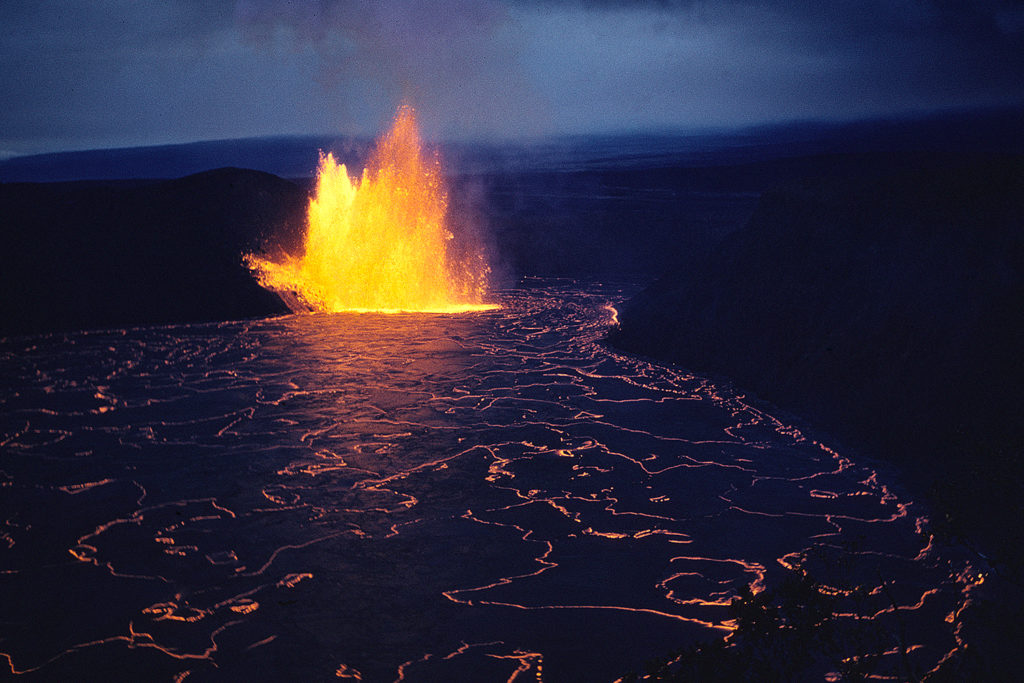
<point>288,157</point>
<point>887,309</point>
<point>89,255</point>
<point>296,156</point>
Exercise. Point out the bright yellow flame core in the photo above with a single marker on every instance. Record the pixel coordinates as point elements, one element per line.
<point>380,243</point>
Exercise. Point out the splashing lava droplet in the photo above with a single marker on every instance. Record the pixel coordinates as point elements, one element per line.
<point>380,242</point>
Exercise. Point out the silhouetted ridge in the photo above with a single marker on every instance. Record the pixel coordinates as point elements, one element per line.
<point>886,309</point>
<point>86,255</point>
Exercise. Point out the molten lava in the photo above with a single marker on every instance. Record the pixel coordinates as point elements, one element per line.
<point>380,242</point>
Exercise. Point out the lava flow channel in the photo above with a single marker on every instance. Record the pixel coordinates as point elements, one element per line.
<point>380,242</point>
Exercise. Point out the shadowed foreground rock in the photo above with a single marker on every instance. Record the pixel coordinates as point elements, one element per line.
<point>91,255</point>
<point>887,310</point>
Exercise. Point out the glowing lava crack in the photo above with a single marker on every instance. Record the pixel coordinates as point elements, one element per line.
<point>380,242</point>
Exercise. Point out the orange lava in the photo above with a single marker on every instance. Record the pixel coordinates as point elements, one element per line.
<point>380,242</point>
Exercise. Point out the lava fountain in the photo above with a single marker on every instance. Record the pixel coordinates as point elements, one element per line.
<point>380,242</point>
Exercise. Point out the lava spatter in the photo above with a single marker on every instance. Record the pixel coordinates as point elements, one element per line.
<point>380,242</point>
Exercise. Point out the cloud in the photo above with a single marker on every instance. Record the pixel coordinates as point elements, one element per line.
<point>90,71</point>
<point>694,63</point>
<point>115,72</point>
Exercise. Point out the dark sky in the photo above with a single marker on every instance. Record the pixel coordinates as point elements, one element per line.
<point>77,74</point>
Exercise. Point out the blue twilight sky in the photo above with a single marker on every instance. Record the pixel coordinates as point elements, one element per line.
<point>78,74</point>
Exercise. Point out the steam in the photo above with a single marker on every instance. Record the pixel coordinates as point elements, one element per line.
<point>457,61</point>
